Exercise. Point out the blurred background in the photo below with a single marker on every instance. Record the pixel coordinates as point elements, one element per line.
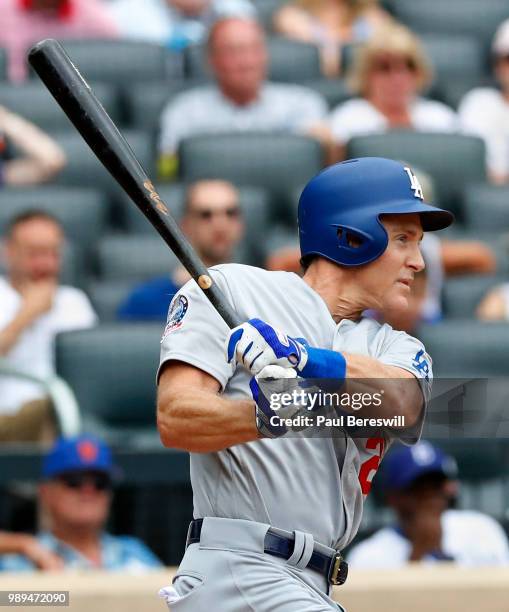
<point>232,106</point>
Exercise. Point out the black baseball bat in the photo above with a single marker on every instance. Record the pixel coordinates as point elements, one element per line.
<point>77,100</point>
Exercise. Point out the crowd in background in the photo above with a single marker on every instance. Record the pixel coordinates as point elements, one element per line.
<point>375,76</point>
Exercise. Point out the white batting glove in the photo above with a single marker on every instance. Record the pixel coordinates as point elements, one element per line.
<point>256,344</point>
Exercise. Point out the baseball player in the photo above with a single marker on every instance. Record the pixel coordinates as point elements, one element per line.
<point>273,512</point>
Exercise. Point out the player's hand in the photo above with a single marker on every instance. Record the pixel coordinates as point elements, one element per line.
<point>266,424</point>
<point>256,344</point>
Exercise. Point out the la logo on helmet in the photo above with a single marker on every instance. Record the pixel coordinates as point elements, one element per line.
<point>414,184</point>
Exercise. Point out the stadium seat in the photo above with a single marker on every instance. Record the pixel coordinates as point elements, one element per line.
<point>453,160</point>
<point>254,203</point>
<point>486,208</point>
<point>106,297</point>
<point>472,17</point>
<point>335,91</point>
<point>82,211</point>
<point>289,61</point>
<point>144,105</point>
<point>452,90</point>
<point>133,258</point>
<point>278,162</point>
<point>33,102</point>
<point>454,56</point>
<point>462,295</point>
<point>122,62</point>
<point>3,64</point>
<point>266,10</point>
<point>467,348</point>
<point>84,169</point>
<point>111,370</point>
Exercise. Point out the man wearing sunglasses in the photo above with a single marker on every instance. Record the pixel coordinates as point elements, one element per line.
<point>75,498</point>
<point>212,221</point>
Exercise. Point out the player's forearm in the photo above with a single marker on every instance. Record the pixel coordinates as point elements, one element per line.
<point>200,422</point>
<point>401,392</point>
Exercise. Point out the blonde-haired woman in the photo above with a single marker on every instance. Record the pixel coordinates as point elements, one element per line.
<point>330,24</point>
<point>389,74</point>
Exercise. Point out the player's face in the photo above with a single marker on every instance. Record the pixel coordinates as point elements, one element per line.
<point>213,222</point>
<point>78,500</point>
<point>387,281</point>
<point>34,250</point>
<point>238,57</point>
<point>392,80</point>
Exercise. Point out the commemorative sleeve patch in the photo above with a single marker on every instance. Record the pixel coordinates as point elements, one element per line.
<point>178,309</point>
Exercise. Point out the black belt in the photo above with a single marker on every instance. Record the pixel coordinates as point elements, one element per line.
<point>333,567</point>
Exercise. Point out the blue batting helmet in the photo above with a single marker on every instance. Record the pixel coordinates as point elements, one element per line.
<point>340,209</point>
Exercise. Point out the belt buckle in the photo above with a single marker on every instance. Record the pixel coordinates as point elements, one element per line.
<point>338,570</point>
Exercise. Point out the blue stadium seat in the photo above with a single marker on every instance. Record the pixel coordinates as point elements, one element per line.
<point>107,296</point>
<point>462,295</point>
<point>472,17</point>
<point>82,211</point>
<point>465,348</point>
<point>83,168</point>
<point>123,62</point>
<point>32,101</point>
<point>111,370</point>
<point>486,208</point>
<point>3,64</point>
<point>133,257</point>
<point>144,105</point>
<point>278,162</point>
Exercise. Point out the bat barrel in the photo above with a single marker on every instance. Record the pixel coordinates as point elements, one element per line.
<point>73,94</point>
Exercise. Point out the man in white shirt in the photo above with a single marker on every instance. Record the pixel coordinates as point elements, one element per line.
<point>241,100</point>
<point>484,111</point>
<point>419,484</point>
<point>34,309</point>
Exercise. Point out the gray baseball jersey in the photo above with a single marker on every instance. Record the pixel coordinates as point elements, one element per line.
<point>315,485</point>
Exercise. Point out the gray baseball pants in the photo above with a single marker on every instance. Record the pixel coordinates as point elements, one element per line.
<point>228,571</point>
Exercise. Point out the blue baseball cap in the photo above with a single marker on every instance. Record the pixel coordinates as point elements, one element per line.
<point>405,464</point>
<point>77,454</point>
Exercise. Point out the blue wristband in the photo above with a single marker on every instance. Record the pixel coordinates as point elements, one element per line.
<point>323,363</point>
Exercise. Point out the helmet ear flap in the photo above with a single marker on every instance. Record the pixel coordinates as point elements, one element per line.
<point>353,244</point>
<point>349,238</point>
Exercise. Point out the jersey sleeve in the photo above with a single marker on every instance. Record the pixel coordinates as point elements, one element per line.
<point>195,333</point>
<point>406,352</point>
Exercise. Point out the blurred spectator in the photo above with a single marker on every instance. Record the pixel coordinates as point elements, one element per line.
<point>419,481</point>
<point>388,73</point>
<point>40,157</point>
<point>241,99</point>
<point>484,111</point>
<point>330,25</point>
<point>495,304</point>
<point>213,223</point>
<point>25,22</point>
<point>174,23</point>
<point>34,310</point>
<point>75,499</point>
